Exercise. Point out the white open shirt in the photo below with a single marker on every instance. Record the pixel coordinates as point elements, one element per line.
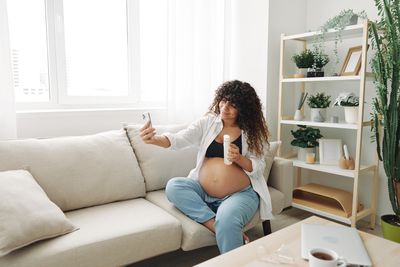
<point>201,133</point>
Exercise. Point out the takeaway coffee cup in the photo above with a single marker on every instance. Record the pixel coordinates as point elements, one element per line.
<point>322,257</point>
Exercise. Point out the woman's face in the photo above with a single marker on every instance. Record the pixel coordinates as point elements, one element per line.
<point>228,110</point>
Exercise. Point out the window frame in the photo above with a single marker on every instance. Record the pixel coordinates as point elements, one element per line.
<point>58,96</point>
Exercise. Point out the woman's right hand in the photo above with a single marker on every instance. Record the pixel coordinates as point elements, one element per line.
<point>147,133</point>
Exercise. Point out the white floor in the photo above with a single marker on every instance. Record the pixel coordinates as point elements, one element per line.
<point>189,258</point>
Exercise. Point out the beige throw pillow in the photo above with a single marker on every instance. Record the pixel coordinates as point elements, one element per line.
<point>158,164</point>
<point>269,154</point>
<point>26,213</point>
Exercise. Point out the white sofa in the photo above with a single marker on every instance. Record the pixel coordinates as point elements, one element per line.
<point>112,188</point>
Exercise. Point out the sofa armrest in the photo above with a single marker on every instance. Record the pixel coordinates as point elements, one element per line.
<point>281,178</point>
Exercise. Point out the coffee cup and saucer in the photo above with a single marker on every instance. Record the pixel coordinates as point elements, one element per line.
<point>323,257</point>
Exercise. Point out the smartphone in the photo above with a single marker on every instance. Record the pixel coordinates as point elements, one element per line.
<point>146,117</point>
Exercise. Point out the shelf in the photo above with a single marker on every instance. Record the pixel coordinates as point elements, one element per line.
<point>326,79</point>
<point>322,213</point>
<point>333,169</point>
<point>341,125</point>
<point>368,76</point>
<point>327,199</point>
<point>348,32</point>
<point>362,214</point>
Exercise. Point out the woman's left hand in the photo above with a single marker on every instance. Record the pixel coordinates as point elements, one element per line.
<point>233,153</point>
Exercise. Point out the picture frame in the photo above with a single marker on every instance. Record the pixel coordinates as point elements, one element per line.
<point>330,151</point>
<point>352,62</point>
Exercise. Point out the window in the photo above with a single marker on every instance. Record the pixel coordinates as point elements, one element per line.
<point>104,53</point>
<point>96,52</point>
<point>95,33</point>
<point>27,27</point>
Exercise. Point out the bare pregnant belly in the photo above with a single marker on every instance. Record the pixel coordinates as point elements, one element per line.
<point>220,180</point>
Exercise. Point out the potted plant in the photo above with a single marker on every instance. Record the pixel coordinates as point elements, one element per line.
<point>339,22</point>
<point>303,61</point>
<point>385,37</point>
<point>318,104</point>
<point>306,139</point>
<point>319,61</point>
<point>350,104</point>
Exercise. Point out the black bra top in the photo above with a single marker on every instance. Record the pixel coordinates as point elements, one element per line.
<point>216,150</point>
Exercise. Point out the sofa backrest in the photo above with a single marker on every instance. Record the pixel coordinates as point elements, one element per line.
<point>81,171</point>
<point>269,155</point>
<point>158,164</point>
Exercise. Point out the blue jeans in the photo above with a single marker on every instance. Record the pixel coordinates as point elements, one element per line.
<point>231,212</point>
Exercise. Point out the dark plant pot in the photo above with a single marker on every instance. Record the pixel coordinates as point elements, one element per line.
<point>315,74</point>
<point>353,20</point>
<point>391,227</point>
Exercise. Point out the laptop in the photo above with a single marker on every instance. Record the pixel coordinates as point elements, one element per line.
<point>344,240</point>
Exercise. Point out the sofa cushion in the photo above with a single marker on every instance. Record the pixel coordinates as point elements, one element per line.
<point>158,164</point>
<point>81,171</point>
<point>269,155</point>
<point>26,213</point>
<point>195,235</point>
<point>114,234</point>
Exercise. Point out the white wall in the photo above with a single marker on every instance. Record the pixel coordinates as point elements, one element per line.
<point>319,12</point>
<point>80,122</point>
<point>282,20</point>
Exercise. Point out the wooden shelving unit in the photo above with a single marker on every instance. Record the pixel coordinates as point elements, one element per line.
<point>330,202</point>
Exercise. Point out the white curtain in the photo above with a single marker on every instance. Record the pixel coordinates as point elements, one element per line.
<point>195,57</point>
<point>7,106</point>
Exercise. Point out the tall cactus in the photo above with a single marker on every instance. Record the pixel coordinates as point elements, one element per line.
<point>385,39</point>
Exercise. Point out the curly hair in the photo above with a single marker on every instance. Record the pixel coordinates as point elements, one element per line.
<point>250,117</point>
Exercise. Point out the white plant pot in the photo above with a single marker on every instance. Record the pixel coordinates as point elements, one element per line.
<point>351,114</point>
<point>302,152</point>
<point>318,114</point>
<point>298,116</point>
<point>301,73</point>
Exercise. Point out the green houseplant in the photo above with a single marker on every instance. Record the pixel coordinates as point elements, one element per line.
<point>350,104</point>
<point>318,104</point>
<point>319,61</point>
<point>306,139</point>
<point>303,61</point>
<point>339,22</point>
<point>347,100</point>
<point>385,37</point>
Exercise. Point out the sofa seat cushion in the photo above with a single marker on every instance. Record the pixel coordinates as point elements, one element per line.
<point>78,171</point>
<point>195,235</point>
<point>113,234</point>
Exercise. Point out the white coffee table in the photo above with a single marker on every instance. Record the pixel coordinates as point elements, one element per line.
<point>383,253</point>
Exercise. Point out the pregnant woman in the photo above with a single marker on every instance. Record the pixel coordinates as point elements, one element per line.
<point>222,197</point>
